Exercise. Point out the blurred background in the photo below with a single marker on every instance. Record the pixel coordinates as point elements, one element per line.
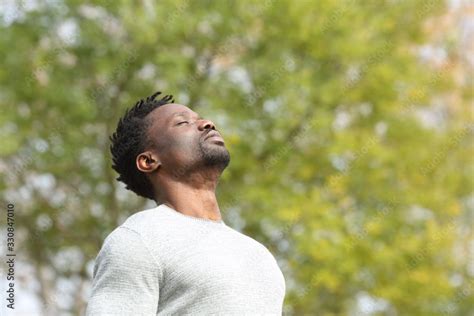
<point>349,123</point>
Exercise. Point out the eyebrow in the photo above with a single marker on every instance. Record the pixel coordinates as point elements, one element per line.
<point>184,113</point>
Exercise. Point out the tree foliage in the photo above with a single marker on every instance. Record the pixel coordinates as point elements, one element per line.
<point>351,154</point>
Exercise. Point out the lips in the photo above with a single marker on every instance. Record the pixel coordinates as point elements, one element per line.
<point>213,134</point>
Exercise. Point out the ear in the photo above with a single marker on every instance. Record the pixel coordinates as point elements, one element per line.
<point>147,162</point>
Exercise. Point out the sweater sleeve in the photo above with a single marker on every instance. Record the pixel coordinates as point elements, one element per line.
<point>125,278</point>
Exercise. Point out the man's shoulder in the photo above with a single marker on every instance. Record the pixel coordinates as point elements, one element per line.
<point>143,220</point>
<point>124,250</point>
<point>133,234</point>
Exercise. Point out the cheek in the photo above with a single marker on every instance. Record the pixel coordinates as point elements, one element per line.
<point>184,141</point>
<point>175,140</point>
<point>181,148</point>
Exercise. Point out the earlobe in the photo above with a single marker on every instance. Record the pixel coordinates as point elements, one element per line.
<point>147,162</point>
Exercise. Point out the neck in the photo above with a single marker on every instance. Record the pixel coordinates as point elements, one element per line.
<point>193,196</point>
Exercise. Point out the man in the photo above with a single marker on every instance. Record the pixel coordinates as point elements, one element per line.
<point>178,258</point>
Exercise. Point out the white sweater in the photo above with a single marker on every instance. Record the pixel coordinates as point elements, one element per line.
<point>162,262</point>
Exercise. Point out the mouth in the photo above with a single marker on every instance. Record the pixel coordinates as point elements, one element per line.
<point>214,135</point>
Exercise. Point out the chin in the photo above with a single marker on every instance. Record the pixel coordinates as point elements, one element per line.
<point>215,155</point>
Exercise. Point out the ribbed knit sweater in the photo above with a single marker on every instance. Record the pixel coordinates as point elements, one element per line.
<point>163,262</point>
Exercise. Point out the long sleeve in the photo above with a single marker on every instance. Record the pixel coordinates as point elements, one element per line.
<point>126,277</point>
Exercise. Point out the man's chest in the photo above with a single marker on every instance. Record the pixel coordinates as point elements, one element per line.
<point>229,268</point>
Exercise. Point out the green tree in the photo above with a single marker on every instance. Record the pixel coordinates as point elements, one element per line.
<point>341,161</point>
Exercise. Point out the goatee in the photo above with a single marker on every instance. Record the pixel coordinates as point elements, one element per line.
<point>214,155</point>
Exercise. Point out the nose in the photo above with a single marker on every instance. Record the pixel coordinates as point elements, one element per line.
<point>206,124</point>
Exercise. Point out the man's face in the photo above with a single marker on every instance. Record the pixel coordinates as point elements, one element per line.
<point>185,142</point>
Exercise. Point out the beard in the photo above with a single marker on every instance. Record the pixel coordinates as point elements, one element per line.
<point>214,155</point>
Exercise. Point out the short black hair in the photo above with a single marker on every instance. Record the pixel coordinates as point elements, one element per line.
<point>130,139</point>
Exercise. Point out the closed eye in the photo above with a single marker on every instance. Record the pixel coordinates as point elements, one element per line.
<point>183,122</point>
